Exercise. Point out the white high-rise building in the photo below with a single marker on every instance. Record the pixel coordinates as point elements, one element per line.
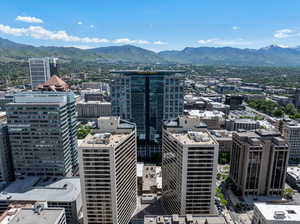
<point>108,172</point>
<point>39,69</point>
<point>291,133</point>
<point>189,167</point>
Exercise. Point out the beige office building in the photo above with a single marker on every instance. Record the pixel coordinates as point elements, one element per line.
<point>291,133</point>
<point>89,111</point>
<point>189,167</point>
<point>108,172</point>
<point>259,162</point>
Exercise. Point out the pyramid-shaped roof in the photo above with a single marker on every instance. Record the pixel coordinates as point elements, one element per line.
<point>54,84</point>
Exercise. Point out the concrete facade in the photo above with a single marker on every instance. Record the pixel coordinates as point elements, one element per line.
<point>259,162</point>
<point>291,133</point>
<point>189,168</point>
<point>108,173</point>
<point>92,110</point>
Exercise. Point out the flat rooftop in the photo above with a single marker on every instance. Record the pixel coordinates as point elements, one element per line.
<point>184,219</point>
<point>206,113</point>
<point>147,72</point>
<point>41,189</point>
<point>103,140</point>
<point>151,177</point>
<point>194,138</point>
<point>294,171</point>
<point>28,216</point>
<point>95,102</point>
<point>279,212</point>
<point>245,121</point>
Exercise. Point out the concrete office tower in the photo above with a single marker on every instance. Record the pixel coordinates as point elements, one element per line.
<point>259,162</point>
<point>42,132</point>
<point>189,168</point>
<point>291,133</point>
<point>108,172</point>
<point>39,69</point>
<point>147,98</point>
<point>6,167</point>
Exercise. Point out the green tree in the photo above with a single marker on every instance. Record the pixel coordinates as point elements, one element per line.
<point>83,131</point>
<point>290,109</point>
<point>278,112</point>
<point>288,193</point>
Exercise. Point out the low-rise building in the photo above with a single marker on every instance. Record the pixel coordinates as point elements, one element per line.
<point>33,215</point>
<point>276,214</point>
<point>241,124</point>
<point>234,101</point>
<point>152,179</point>
<point>213,119</point>
<point>224,138</point>
<point>91,110</point>
<point>282,100</point>
<point>186,219</point>
<point>58,193</point>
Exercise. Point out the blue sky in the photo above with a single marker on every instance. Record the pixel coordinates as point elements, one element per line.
<point>152,24</point>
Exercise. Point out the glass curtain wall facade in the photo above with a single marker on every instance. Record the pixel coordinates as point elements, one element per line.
<point>147,98</point>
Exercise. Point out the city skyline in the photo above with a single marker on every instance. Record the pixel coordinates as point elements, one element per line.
<point>152,25</point>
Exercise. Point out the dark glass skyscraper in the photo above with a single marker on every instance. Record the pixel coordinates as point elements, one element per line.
<point>147,98</point>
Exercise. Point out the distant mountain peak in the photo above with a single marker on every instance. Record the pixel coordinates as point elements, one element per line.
<point>272,46</point>
<point>273,55</point>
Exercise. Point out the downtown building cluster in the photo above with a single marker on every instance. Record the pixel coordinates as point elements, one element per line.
<point>145,119</point>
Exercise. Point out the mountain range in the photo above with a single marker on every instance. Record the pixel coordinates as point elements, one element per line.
<point>268,56</point>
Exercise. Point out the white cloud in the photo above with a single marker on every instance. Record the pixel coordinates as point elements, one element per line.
<point>285,33</point>
<point>284,46</point>
<point>79,23</point>
<point>92,26</point>
<point>220,42</point>
<point>83,47</point>
<point>39,32</point>
<point>29,19</point>
<point>236,27</point>
<point>128,41</point>
<point>159,42</point>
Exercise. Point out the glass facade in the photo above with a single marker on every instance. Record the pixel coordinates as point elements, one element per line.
<point>147,98</point>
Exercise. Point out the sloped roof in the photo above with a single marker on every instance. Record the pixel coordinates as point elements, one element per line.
<point>54,84</point>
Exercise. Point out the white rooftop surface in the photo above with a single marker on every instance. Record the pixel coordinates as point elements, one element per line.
<point>95,102</point>
<point>206,113</point>
<point>112,141</point>
<point>33,189</point>
<point>46,216</point>
<point>186,139</point>
<point>294,171</point>
<point>291,212</point>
